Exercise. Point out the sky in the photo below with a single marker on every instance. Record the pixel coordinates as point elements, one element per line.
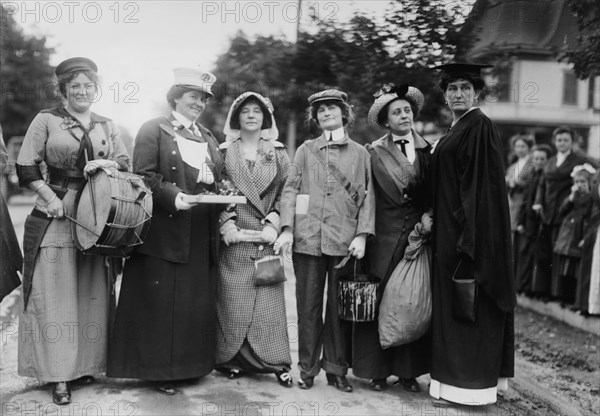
<point>136,44</point>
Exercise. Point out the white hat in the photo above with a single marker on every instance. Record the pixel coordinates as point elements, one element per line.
<point>195,79</point>
<point>271,133</point>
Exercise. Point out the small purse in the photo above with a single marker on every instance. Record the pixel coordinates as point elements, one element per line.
<point>268,271</point>
<point>464,298</point>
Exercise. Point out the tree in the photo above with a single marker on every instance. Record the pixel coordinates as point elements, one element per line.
<point>25,74</point>
<point>357,56</point>
<point>585,54</point>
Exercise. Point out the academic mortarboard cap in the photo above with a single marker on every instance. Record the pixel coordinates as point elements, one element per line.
<point>462,67</point>
<point>328,95</point>
<point>195,79</point>
<point>75,64</point>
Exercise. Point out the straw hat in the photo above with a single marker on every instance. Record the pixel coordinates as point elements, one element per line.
<point>387,94</point>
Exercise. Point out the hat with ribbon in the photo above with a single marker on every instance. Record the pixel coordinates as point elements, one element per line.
<point>195,79</point>
<point>390,92</point>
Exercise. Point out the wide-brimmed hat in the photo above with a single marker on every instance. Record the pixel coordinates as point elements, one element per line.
<point>453,68</point>
<point>195,79</point>
<point>388,93</point>
<point>75,64</point>
<point>270,132</point>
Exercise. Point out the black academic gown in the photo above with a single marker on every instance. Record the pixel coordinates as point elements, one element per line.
<point>471,221</point>
<point>401,198</point>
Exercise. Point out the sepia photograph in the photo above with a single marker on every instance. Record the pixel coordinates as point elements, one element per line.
<point>300,207</point>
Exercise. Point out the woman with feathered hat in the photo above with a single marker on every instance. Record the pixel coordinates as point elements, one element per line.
<point>399,162</point>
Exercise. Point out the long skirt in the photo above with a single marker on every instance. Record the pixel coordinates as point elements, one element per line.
<point>252,323</point>
<point>544,259</point>
<point>64,330</point>
<point>524,262</point>
<point>165,325</point>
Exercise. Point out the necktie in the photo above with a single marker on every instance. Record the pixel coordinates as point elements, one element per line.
<point>192,128</point>
<point>330,137</point>
<point>86,150</point>
<point>402,143</point>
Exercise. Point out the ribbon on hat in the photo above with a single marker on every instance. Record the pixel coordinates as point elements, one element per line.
<point>390,88</point>
<point>586,167</point>
<point>271,133</point>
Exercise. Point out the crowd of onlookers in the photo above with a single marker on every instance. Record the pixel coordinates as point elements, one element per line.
<point>554,208</point>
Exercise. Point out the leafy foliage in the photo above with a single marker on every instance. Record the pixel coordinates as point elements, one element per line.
<point>26,77</point>
<point>357,57</point>
<point>585,54</point>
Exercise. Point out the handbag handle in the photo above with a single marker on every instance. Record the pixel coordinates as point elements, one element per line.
<point>343,262</point>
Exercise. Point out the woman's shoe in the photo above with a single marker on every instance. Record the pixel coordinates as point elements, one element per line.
<point>339,382</point>
<point>441,403</point>
<point>61,394</point>
<point>234,373</point>
<point>284,378</point>
<point>378,384</point>
<point>306,383</point>
<point>410,384</point>
<point>166,388</point>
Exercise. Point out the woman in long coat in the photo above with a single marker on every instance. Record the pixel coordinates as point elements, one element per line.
<point>471,240</point>
<point>62,288</point>
<point>399,162</point>
<point>252,334</point>
<point>165,324</point>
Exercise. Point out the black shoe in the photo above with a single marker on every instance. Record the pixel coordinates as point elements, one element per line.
<point>234,373</point>
<point>306,383</point>
<point>339,382</point>
<point>378,384</point>
<point>61,394</point>
<point>84,380</point>
<point>442,403</point>
<point>166,388</point>
<point>409,384</point>
<point>284,378</point>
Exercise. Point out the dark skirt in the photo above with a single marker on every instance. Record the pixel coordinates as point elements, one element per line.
<point>544,258</point>
<point>524,256</point>
<point>564,277</point>
<point>165,324</point>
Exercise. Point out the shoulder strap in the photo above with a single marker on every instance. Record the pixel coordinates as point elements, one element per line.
<point>333,170</point>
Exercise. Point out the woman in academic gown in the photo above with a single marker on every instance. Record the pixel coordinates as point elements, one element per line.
<point>471,240</point>
<point>165,324</point>
<point>399,162</point>
<point>555,185</point>
<point>253,331</point>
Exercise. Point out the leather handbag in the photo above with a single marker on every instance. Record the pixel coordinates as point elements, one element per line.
<point>464,298</point>
<point>268,271</point>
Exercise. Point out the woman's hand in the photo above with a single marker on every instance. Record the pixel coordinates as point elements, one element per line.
<point>427,221</point>
<point>55,208</point>
<point>268,234</point>
<point>93,165</point>
<point>538,209</point>
<point>231,237</point>
<point>520,229</point>
<point>357,246</point>
<point>285,241</point>
<point>180,204</point>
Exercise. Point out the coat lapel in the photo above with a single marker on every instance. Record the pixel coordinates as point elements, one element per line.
<point>265,169</point>
<point>238,171</point>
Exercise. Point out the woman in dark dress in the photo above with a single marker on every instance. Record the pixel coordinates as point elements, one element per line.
<point>471,240</point>
<point>165,325</point>
<point>399,163</point>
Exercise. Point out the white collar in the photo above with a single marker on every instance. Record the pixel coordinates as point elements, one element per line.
<point>408,136</point>
<point>187,123</point>
<point>336,135</point>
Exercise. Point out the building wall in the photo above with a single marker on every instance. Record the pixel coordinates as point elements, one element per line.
<point>535,100</point>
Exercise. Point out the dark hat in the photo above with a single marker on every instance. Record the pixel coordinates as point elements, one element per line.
<point>328,95</point>
<point>75,64</point>
<point>388,93</point>
<point>462,67</point>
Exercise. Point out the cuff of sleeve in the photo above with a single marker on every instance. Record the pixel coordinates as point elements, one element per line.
<point>28,174</point>
<point>272,219</point>
<point>226,216</point>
